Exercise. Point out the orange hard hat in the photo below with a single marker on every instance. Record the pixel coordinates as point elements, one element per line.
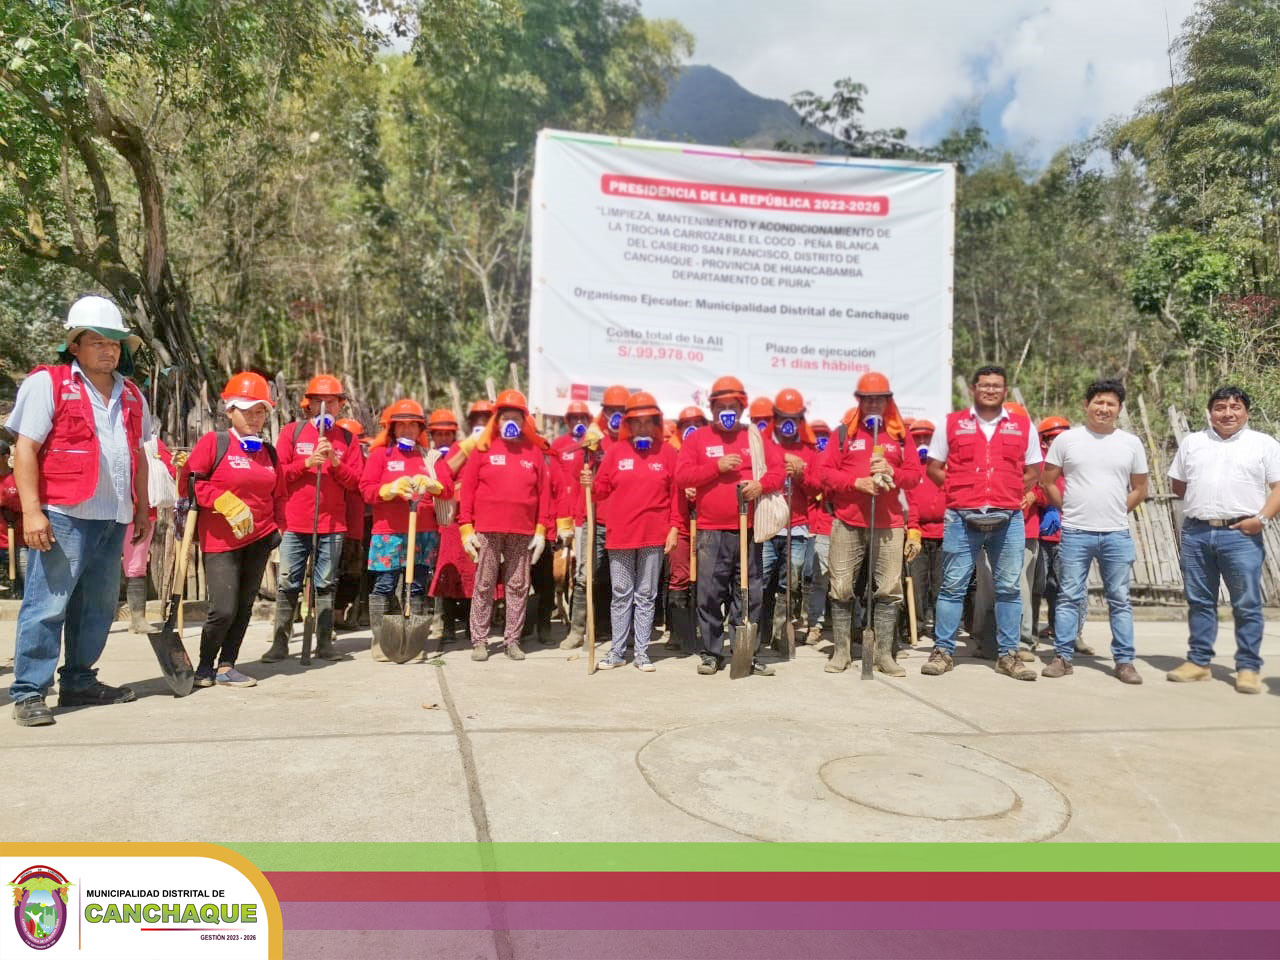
<point>668,429</point>
<point>1053,425</point>
<point>616,396</point>
<point>353,427</point>
<point>577,408</point>
<point>691,413</point>
<point>726,387</point>
<point>479,407</point>
<point>873,385</point>
<point>641,404</point>
<point>1012,407</point>
<point>442,419</point>
<point>512,400</point>
<point>922,426</point>
<point>248,386</point>
<point>789,403</point>
<point>761,409</point>
<point>820,428</point>
<point>404,410</point>
<point>324,385</point>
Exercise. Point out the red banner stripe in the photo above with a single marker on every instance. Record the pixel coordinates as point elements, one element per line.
<point>374,886</point>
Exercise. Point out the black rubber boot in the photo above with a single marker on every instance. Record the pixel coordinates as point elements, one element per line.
<point>886,625</point>
<point>841,632</point>
<point>681,621</point>
<point>136,592</point>
<point>325,649</point>
<point>286,604</point>
<point>435,632</point>
<point>577,619</point>
<point>377,610</point>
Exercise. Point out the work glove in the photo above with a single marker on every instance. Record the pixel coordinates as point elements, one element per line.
<point>401,487</point>
<point>180,459</point>
<point>423,483</point>
<point>564,530</point>
<point>884,481</point>
<point>471,542</point>
<point>537,543</point>
<point>912,549</point>
<point>1050,521</point>
<point>591,439</point>
<point>236,513</point>
<point>467,444</point>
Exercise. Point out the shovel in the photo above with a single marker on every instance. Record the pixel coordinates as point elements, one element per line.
<point>591,569</point>
<point>910,585</point>
<point>13,556</point>
<point>404,637</point>
<point>744,634</point>
<point>309,618</point>
<point>167,641</point>
<point>869,632</point>
<point>790,650</point>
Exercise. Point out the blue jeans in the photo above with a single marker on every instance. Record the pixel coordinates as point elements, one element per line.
<point>635,575</point>
<point>76,582</point>
<point>294,550</point>
<point>960,547</point>
<point>1210,553</point>
<point>776,579</point>
<point>426,549</point>
<point>1114,552</point>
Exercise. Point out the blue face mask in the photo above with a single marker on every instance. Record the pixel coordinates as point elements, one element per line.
<point>822,443</point>
<point>687,431</point>
<point>579,430</point>
<point>728,419</point>
<point>762,426</point>
<point>510,430</point>
<point>324,422</point>
<point>874,423</point>
<point>250,444</point>
<point>788,428</point>
<point>477,429</point>
<point>405,444</point>
<point>444,450</point>
<point>642,443</point>
<point>923,452</point>
<point>615,421</point>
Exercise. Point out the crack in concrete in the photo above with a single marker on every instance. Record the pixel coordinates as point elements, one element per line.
<point>933,706</point>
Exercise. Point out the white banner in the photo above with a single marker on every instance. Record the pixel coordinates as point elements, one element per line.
<point>662,266</point>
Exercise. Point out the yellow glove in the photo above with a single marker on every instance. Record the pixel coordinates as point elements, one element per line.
<point>912,549</point>
<point>591,439</point>
<point>467,444</point>
<point>423,483</point>
<point>401,487</point>
<point>180,459</point>
<point>236,512</point>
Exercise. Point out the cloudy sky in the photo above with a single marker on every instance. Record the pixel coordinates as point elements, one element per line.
<point>1039,73</point>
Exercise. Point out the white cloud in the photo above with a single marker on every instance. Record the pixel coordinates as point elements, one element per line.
<point>1069,63</point>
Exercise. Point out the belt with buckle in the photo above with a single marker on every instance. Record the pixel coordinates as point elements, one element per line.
<point>1224,523</point>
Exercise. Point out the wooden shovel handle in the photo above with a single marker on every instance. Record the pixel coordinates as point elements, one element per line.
<point>409,560</point>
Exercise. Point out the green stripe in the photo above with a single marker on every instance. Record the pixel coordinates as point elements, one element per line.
<point>783,857</point>
<point>661,147</point>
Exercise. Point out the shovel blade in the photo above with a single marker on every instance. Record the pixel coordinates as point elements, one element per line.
<point>744,648</point>
<point>173,659</point>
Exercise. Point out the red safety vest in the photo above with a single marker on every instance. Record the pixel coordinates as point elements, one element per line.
<point>982,472</point>
<point>69,456</point>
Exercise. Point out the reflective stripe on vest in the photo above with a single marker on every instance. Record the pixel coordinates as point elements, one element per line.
<point>69,457</point>
<point>982,472</point>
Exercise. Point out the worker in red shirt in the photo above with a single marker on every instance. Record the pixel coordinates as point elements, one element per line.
<point>395,475</point>
<point>569,452</point>
<point>455,575</point>
<point>926,505</point>
<point>503,519</point>
<point>797,445</point>
<point>596,440</point>
<point>241,491</point>
<point>868,459</point>
<point>11,522</point>
<point>637,477</point>
<point>311,448</point>
<point>761,414</point>
<point>1046,579</point>
<point>986,458</point>
<point>680,601</point>
<point>716,460</point>
<point>351,589</point>
<point>817,556</point>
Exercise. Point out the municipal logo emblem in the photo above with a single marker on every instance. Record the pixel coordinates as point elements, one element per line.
<point>40,906</point>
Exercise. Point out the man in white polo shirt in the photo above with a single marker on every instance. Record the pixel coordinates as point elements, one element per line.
<point>1229,479</point>
<point>1106,476</point>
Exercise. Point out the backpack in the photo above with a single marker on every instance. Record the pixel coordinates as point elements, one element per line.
<point>222,444</point>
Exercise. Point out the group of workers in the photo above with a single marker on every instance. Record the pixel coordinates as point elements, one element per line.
<point>987,514</point>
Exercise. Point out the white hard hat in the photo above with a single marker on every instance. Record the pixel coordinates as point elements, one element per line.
<point>102,317</point>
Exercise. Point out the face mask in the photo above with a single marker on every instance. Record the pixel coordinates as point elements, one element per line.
<point>324,422</point>
<point>250,444</point>
<point>923,451</point>
<point>874,423</point>
<point>615,421</point>
<point>510,430</point>
<point>687,431</point>
<point>444,450</point>
<point>643,443</point>
<point>787,428</point>
<point>822,443</point>
<point>405,444</point>
<point>579,430</point>
<point>477,429</point>
<point>762,426</point>
<point>728,419</point>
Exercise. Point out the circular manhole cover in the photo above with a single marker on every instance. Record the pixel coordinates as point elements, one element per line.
<point>788,780</point>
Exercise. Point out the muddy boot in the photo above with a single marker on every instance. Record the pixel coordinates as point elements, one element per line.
<point>841,629</point>
<point>377,610</point>
<point>681,616</point>
<point>435,632</point>
<point>577,620</point>
<point>325,649</point>
<point>448,620</point>
<point>136,591</point>
<point>286,605</point>
<point>886,625</point>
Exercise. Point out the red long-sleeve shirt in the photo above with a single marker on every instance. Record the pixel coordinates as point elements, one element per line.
<point>804,486</point>
<point>841,468</point>
<point>717,499</point>
<point>297,442</point>
<point>927,503</point>
<point>250,476</point>
<point>640,487</point>
<point>388,464</point>
<point>569,457</point>
<point>12,506</point>
<point>506,489</point>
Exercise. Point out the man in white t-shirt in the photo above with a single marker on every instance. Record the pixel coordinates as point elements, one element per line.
<point>1229,479</point>
<point>1105,469</point>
